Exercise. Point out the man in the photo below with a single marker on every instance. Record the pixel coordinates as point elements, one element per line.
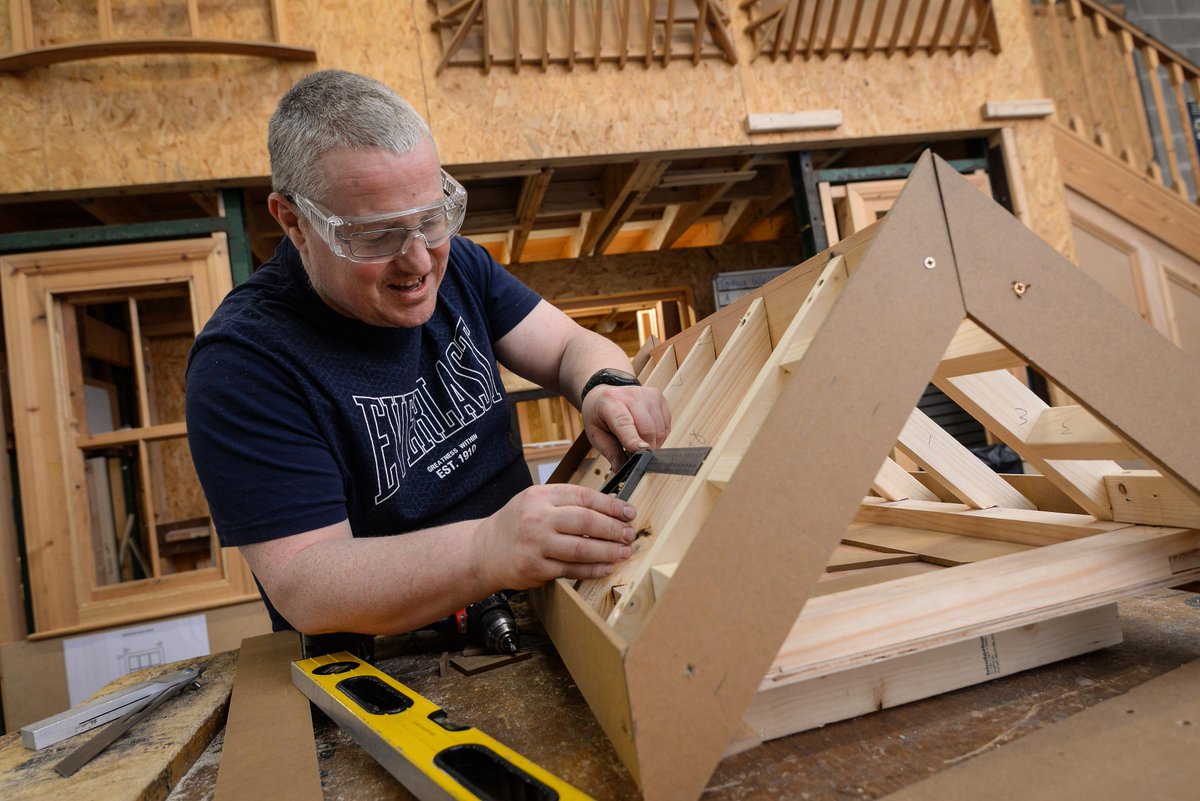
<point>348,390</point>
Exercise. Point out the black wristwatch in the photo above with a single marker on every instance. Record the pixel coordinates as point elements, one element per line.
<point>616,378</point>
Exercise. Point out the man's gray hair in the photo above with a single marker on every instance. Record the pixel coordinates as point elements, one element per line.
<point>331,109</point>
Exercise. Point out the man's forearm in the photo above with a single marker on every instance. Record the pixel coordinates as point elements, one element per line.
<point>380,585</point>
<point>582,357</point>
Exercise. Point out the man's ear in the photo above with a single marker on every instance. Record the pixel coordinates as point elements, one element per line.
<point>288,220</point>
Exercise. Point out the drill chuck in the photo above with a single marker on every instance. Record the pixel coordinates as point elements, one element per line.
<point>492,622</point>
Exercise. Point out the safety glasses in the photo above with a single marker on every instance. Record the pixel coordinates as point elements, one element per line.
<point>382,236</point>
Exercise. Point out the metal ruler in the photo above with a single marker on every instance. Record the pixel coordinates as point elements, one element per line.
<point>92,714</point>
<point>412,738</point>
<point>674,461</point>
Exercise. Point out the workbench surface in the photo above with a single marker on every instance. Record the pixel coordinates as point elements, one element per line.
<point>534,707</point>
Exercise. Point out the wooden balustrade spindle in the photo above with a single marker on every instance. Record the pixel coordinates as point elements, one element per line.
<point>1151,60</point>
<point>1143,125</point>
<point>1176,77</point>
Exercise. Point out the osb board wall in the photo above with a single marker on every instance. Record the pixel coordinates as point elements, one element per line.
<point>691,267</point>
<point>59,22</point>
<point>155,120</point>
<point>180,495</point>
<point>1088,77</point>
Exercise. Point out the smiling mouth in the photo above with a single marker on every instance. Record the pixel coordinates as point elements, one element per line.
<point>410,286</point>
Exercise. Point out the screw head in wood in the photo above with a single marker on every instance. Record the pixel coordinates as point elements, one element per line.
<point>930,262</point>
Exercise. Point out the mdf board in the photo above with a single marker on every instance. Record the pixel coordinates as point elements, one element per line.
<point>855,334</point>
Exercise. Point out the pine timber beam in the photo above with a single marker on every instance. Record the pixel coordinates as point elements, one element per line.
<point>1018,589</point>
<point>1007,408</point>
<point>532,194</point>
<point>624,187</point>
<point>894,483</point>
<point>754,393</point>
<point>1072,432</point>
<point>1150,498</point>
<point>112,48</point>
<point>1025,526</point>
<point>955,467</point>
<point>472,12</point>
<point>759,210</point>
<point>1055,324</point>
<point>974,350</point>
<point>712,194</point>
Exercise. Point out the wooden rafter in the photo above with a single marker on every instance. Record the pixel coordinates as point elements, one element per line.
<point>551,33</point>
<point>692,212</point>
<point>812,27</point>
<point>532,194</point>
<point>464,16</point>
<point>759,210</point>
<point>624,187</point>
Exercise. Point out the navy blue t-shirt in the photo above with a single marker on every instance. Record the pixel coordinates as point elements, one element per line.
<point>300,417</point>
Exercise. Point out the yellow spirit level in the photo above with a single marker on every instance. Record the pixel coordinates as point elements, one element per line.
<point>411,737</point>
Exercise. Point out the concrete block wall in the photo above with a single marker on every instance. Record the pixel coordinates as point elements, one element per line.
<point>1175,23</point>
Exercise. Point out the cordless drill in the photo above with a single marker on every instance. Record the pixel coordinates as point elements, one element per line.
<point>490,623</point>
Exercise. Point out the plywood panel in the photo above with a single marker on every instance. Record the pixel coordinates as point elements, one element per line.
<point>154,120</point>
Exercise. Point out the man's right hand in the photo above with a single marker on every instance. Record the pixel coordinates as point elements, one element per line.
<point>552,531</point>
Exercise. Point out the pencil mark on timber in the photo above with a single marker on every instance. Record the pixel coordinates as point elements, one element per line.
<point>696,438</point>
<point>1066,430</point>
<point>1024,414</point>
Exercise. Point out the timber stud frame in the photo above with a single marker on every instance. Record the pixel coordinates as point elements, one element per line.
<point>800,426</point>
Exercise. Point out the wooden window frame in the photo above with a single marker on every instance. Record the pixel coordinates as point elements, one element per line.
<point>50,436</point>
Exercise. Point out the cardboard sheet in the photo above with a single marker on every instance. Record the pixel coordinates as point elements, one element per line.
<point>1139,745</point>
<point>269,748</point>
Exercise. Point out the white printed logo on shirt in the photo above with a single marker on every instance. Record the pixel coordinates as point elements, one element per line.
<point>405,428</point>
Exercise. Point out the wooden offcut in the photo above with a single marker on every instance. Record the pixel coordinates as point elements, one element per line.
<point>803,390</point>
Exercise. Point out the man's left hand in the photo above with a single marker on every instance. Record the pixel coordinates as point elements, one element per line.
<point>622,420</point>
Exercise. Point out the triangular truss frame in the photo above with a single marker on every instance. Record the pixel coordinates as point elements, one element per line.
<point>804,388</point>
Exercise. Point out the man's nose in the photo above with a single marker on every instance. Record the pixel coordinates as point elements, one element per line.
<point>419,255</point>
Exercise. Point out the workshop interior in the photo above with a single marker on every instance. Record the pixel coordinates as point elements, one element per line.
<point>919,281</point>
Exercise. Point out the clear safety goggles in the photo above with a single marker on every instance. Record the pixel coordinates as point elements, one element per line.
<point>381,236</point>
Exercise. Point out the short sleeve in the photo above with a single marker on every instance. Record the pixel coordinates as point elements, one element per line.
<point>266,470</point>
<point>505,299</point>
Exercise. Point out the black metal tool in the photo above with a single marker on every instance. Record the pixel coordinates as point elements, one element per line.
<point>89,750</point>
<point>674,461</point>
<point>490,623</point>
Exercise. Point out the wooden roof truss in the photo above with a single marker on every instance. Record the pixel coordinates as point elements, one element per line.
<point>483,33</point>
<point>620,207</point>
<point>825,28</point>
<point>730,611</point>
